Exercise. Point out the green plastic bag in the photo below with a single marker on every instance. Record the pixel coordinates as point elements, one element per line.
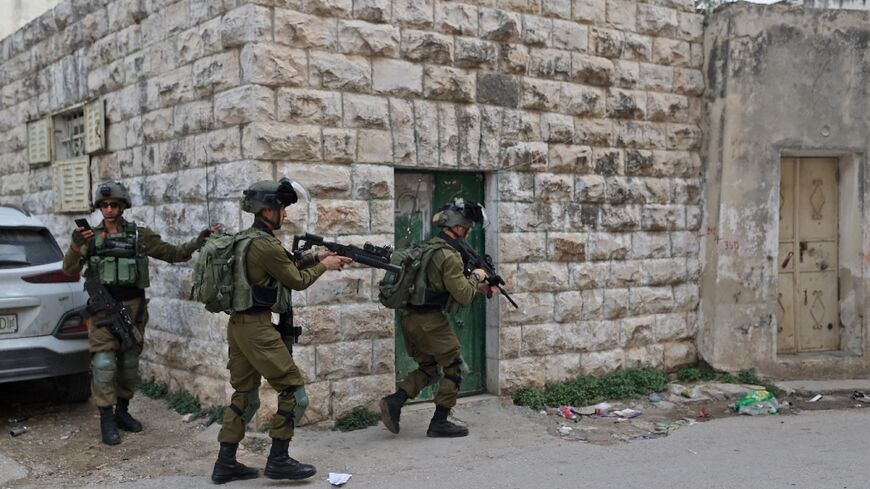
<point>756,402</point>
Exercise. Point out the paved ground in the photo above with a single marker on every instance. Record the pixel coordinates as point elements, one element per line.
<point>509,448</point>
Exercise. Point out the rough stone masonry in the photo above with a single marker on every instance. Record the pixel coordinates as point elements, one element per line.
<point>583,114</point>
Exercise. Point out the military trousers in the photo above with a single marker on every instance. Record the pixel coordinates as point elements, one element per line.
<point>431,342</point>
<point>257,350</point>
<point>114,371</point>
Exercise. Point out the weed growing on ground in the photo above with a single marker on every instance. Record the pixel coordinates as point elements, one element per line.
<point>181,401</point>
<point>584,390</point>
<point>153,389</point>
<point>357,419</point>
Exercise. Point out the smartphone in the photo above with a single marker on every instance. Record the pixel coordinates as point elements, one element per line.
<point>83,223</point>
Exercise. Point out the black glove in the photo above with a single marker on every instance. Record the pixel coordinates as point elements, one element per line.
<point>78,239</point>
<point>203,236</point>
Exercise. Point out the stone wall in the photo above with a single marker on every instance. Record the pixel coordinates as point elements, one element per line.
<point>761,107</point>
<point>584,115</point>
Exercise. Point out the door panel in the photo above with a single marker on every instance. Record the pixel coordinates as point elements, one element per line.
<point>808,296</point>
<point>418,196</point>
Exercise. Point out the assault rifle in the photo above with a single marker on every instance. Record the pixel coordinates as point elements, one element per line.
<point>473,260</point>
<point>369,254</point>
<point>119,321</point>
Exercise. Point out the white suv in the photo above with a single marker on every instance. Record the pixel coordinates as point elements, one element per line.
<point>43,333</point>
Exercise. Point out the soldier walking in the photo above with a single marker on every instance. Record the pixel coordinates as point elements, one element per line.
<point>265,276</point>
<point>429,339</point>
<point>116,252</point>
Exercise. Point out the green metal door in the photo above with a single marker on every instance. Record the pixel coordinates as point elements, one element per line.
<point>418,196</point>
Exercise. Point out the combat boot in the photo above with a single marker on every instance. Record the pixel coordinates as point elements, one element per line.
<point>227,468</point>
<point>280,465</point>
<point>108,428</point>
<point>441,427</point>
<point>123,418</point>
<point>391,409</point>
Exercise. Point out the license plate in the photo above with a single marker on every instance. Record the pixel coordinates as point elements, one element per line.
<point>8,323</point>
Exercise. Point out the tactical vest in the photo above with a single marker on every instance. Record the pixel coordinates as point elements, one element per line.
<point>117,258</point>
<point>277,297</point>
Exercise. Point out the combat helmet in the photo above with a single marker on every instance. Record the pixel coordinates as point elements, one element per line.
<point>268,194</point>
<point>112,189</point>
<point>460,213</point>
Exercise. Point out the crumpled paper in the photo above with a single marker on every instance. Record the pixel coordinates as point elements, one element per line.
<point>337,479</point>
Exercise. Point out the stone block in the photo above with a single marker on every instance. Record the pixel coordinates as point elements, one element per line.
<point>402,125</point>
<point>490,135</point>
<point>536,308</point>
<point>589,336</point>
<point>679,354</point>
<point>329,8</point>
<point>474,53</point>
<point>622,14</point>
<point>591,70</point>
<point>671,52</point>
<point>279,141</point>
<point>626,104</point>
<point>468,121</point>
<point>351,285</point>
<point>691,26</point>
<point>646,356</point>
<point>544,339</point>
<point>448,136</point>
<point>157,125</point>
<point>525,6</point>
<point>199,41</point>
<point>569,307</point>
<point>246,24</point>
<point>521,372</point>
<point>671,327</point>
<point>570,36</point>
<point>340,72</point>
<point>427,47</point>
<point>542,276</point>
<point>360,391</point>
<point>318,327</point>
<point>366,111</point>
<point>339,145</point>
<point>361,37</point>
<point>372,182</point>
<point>591,11</point>
<point>589,188</point>
<point>651,300</point>
<point>593,131</point>
<point>667,107</point>
<point>550,63</point>
<point>525,156</point>
<point>620,218</point>
<point>321,181</point>
<point>637,134</point>
<point>273,64</point>
<point>173,87</point>
<point>655,77</point>
<point>608,246</point>
<point>688,82</point>
<point>616,303</point>
<point>509,342</point>
<point>663,217</point>
<point>657,21</point>
<point>366,321</point>
<point>373,146</point>
<point>521,247</point>
<point>301,30</point>
<point>456,18</point>
<point>397,77</point>
<point>344,359</point>
<point>516,186</point>
<point>607,43</point>
<point>244,104</point>
<point>193,117</point>
<point>513,58</point>
<point>309,106</point>
<point>343,216</point>
<point>414,13</point>
<point>556,8</point>
<point>566,246</point>
<point>557,128</point>
<point>216,73</point>
<point>520,125</point>
<point>537,31</point>
<point>587,276</point>
<point>637,331</point>
<point>443,83</point>
<point>373,10</point>
<point>637,47</point>
<point>607,161</point>
<point>540,95</point>
<point>499,25</point>
<point>569,158</point>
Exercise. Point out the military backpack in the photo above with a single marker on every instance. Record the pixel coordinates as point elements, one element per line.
<point>397,290</point>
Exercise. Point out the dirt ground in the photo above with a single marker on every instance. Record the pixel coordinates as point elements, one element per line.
<point>62,446</point>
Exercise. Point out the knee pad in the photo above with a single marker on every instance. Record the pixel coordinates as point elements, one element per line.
<point>104,368</point>
<point>287,404</point>
<point>251,400</point>
<point>301,404</point>
<point>431,378</point>
<point>454,371</point>
<point>130,367</point>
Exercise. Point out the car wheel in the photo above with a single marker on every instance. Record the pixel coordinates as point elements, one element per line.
<point>74,388</point>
